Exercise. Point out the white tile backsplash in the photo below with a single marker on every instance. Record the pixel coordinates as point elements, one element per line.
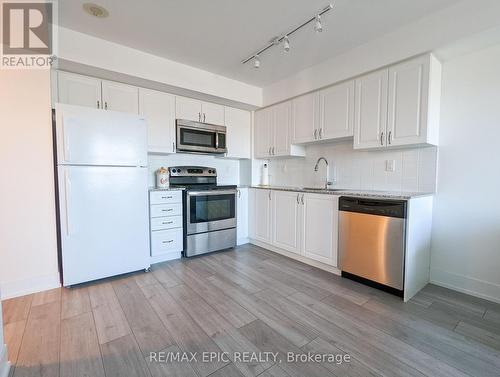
<point>228,171</point>
<point>415,168</point>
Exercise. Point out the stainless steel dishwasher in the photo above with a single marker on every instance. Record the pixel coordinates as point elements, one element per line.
<point>372,241</point>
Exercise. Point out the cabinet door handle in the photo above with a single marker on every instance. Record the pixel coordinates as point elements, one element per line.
<point>315,134</point>
<point>320,131</point>
<point>382,138</point>
<point>167,210</point>
<point>105,105</point>
<point>98,104</point>
<point>269,151</point>
<point>166,197</point>
<point>169,241</point>
<point>389,137</point>
<point>298,200</point>
<point>273,151</point>
<point>173,146</point>
<point>167,222</point>
<point>204,117</point>
<point>269,194</point>
<point>199,117</point>
<point>239,193</point>
<point>302,199</point>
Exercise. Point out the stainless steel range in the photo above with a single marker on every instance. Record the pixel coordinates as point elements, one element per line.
<point>209,210</point>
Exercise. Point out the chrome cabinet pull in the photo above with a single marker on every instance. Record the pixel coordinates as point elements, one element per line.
<point>167,222</point>
<point>169,241</point>
<point>98,104</point>
<point>269,194</point>
<point>315,134</point>
<point>239,193</point>
<point>199,117</point>
<point>321,133</point>
<point>173,146</point>
<point>298,200</point>
<point>382,138</point>
<point>389,137</point>
<point>204,117</point>
<point>273,151</point>
<point>105,105</point>
<point>302,199</point>
<point>269,151</point>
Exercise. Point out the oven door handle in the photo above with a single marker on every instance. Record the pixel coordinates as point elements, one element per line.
<point>211,192</point>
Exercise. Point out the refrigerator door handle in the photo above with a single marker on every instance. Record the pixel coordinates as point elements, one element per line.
<point>67,192</point>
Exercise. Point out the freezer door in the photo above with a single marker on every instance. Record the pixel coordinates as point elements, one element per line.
<point>103,221</point>
<point>87,136</point>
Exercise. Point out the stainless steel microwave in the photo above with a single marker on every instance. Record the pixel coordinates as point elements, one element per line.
<point>200,137</point>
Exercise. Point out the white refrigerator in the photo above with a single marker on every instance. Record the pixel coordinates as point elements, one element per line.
<point>102,192</point>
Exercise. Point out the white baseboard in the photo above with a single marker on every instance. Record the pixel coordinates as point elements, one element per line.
<point>474,287</point>
<point>27,286</point>
<point>4,363</point>
<point>166,257</point>
<point>299,258</point>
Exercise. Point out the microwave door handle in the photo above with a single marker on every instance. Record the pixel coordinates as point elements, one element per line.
<point>216,140</point>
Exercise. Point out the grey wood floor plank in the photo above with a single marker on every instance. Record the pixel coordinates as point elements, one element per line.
<point>80,353</point>
<point>123,358</point>
<point>268,340</point>
<point>275,371</point>
<point>39,353</point>
<point>163,274</point>
<point>172,367</point>
<point>444,335</point>
<point>459,299</point>
<point>484,336</point>
<point>16,309</point>
<point>351,368</point>
<point>219,329</point>
<point>229,370</point>
<point>75,301</point>
<point>109,318</point>
<point>413,357</point>
<point>427,343</point>
<point>186,333</point>
<point>46,297</point>
<point>298,334</point>
<point>373,357</point>
<point>224,305</point>
<point>149,332</point>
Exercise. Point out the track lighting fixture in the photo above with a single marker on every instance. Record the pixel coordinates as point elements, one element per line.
<point>256,62</point>
<point>286,43</point>
<point>285,38</point>
<point>317,24</point>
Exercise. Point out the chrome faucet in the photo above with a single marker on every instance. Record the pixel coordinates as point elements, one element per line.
<point>327,182</point>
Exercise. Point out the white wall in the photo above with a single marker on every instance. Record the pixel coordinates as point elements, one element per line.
<point>466,224</point>
<point>228,171</point>
<point>415,168</point>
<point>28,252</point>
<point>96,52</point>
<point>433,32</point>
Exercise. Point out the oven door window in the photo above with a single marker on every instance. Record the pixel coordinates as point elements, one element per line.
<point>207,208</point>
<point>197,138</point>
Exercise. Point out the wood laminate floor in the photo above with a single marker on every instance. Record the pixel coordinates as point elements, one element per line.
<point>248,300</point>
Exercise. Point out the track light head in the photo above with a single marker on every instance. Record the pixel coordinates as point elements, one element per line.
<point>317,24</point>
<point>256,62</point>
<point>286,43</point>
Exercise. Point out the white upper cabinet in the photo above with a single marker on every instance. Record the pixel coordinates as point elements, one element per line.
<point>158,109</point>
<point>412,102</point>
<point>212,113</point>
<point>120,97</point>
<point>320,227</point>
<point>399,106</point>
<point>238,124</point>
<point>370,116</point>
<point>199,111</point>
<point>272,132</point>
<point>286,216</point>
<point>305,119</point>
<point>79,90</point>
<point>336,106</point>
<point>188,108</point>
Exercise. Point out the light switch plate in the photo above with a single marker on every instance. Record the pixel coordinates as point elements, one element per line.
<point>390,165</point>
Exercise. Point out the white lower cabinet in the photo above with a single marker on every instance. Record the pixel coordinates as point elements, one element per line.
<point>320,227</point>
<point>286,216</point>
<point>262,216</point>
<point>300,223</point>
<point>166,225</point>
<point>242,214</point>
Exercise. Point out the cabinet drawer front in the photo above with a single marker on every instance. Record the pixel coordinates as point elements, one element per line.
<point>161,210</point>
<point>159,223</point>
<point>164,197</point>
<point>164,241</point>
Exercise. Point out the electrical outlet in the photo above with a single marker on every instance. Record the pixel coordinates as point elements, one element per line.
<point>390,165</point>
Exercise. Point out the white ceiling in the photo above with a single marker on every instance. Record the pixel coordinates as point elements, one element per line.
<point>216,35</point>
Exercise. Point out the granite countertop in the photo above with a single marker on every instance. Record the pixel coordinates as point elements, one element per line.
<point>348,192</point>
<point>166,189</point>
